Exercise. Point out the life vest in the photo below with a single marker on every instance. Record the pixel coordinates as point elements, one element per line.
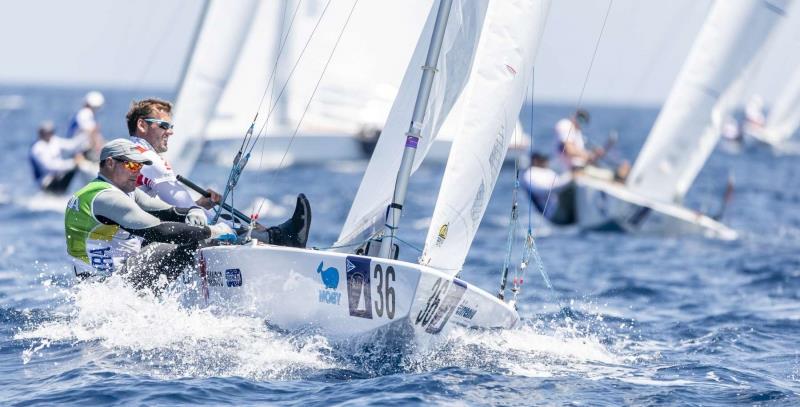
<point>95,247</point>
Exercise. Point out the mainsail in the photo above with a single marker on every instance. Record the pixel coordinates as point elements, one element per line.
<point>216,49</point>
<point>484,125</point>
<point>682,137</point>
<point>458,48</point>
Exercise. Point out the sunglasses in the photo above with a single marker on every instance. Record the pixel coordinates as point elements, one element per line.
<point>161,123</point>
<point>130,165</point>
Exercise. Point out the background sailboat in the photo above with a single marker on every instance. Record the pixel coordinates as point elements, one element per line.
<point>685,132</point>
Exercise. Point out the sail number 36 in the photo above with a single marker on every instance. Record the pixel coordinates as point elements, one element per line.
<point>385,301</point>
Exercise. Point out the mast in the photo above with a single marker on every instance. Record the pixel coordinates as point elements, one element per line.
<point>413,135</point>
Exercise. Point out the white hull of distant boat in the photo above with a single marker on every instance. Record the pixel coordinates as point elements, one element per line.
<point>342,296</point>
<point>610,206</point>
<point>280,150</point>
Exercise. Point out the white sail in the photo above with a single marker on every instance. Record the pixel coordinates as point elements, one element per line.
<point>489,113</point>
<point>215,51</point>
<point>784,116</point>
<point>453,68</point>
<point>682,137</point>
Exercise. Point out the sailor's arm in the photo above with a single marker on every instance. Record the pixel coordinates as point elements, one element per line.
<point>113,206</point>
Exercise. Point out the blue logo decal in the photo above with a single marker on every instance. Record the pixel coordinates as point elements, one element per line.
<point>233,278</point>
<point>330,276</point>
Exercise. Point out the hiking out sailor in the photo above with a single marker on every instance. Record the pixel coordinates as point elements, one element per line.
<point>55,160</point>
<point>112,227</point>
<point>84,125</point>
<point>571,144</point>
<point>574,155</point>
<point>552,194</point>
<point>150,126</point>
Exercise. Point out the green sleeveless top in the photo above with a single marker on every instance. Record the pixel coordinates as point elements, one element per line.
<point>95,246</point>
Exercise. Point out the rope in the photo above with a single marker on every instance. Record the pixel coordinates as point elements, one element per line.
<point>314,92</point>
<point>531,248</point>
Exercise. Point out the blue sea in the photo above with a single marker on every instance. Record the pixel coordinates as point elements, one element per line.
<point>631,320</point>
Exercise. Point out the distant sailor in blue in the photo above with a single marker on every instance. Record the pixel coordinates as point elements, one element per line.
<point>55,160</point>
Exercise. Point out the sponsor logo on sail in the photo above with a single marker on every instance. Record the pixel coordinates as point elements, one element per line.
<point>330,280</point>
<point>442,234</point>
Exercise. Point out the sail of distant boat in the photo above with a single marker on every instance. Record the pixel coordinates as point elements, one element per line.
<point>783,119</point>
<point>282,59</point>
<point>216,48</point>
<point>684,133</point>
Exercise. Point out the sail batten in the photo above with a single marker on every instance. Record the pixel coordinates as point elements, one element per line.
<point>686,131</point>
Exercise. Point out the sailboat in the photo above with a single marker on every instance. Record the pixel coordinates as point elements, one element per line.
<point>469,72</point>
<point>684,133</point>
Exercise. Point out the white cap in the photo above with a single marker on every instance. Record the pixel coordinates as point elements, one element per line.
<point>95,99</point>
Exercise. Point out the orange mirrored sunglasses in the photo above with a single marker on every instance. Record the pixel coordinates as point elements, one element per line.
<point>130,165</point>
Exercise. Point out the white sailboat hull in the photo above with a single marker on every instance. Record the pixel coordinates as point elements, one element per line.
<point>607,205</point>
<point>343,297</point>
<point>281,150</point>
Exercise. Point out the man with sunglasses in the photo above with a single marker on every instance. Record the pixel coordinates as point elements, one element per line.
<point>150,127</point>
<point>113,227</point>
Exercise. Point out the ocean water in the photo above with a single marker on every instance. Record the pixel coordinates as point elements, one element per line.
<point>631,320</point>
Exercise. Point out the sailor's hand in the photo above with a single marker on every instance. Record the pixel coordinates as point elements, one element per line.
<point>222,231</point>
<point>196,217</point>
<point>209,202</point>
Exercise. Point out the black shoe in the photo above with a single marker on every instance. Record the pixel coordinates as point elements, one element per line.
<point>293,232</point>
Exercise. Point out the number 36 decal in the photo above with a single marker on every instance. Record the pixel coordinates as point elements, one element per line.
<point>359,289</point>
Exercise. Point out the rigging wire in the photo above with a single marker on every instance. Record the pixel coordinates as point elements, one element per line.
<point>530,242</point>
<point>580,97</point>
<point>313,93</point>
<point>271,79</point>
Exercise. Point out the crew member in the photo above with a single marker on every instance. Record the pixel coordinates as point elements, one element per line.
<point>551,193</point>
<point>150,127</point>
<point>107,221</point>
<point>55,159</point>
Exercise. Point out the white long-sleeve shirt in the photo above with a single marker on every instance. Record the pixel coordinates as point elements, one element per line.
<point>55,157</point>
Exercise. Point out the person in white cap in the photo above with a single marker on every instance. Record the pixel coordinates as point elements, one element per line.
<point>150,127</point>
<point>83,124</point>
<point>54,159</point>
<point>108,220</point>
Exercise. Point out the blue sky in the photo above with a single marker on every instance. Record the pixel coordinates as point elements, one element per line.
<point>143,44</point>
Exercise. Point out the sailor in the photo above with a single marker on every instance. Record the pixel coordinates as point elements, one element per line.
<point>83,124</point>
<point>571,144</point>
<point>107,221</point>
<point>551,193</point>
<point>55,159</point>
<point>150,127</point>
<point>575,156</point>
